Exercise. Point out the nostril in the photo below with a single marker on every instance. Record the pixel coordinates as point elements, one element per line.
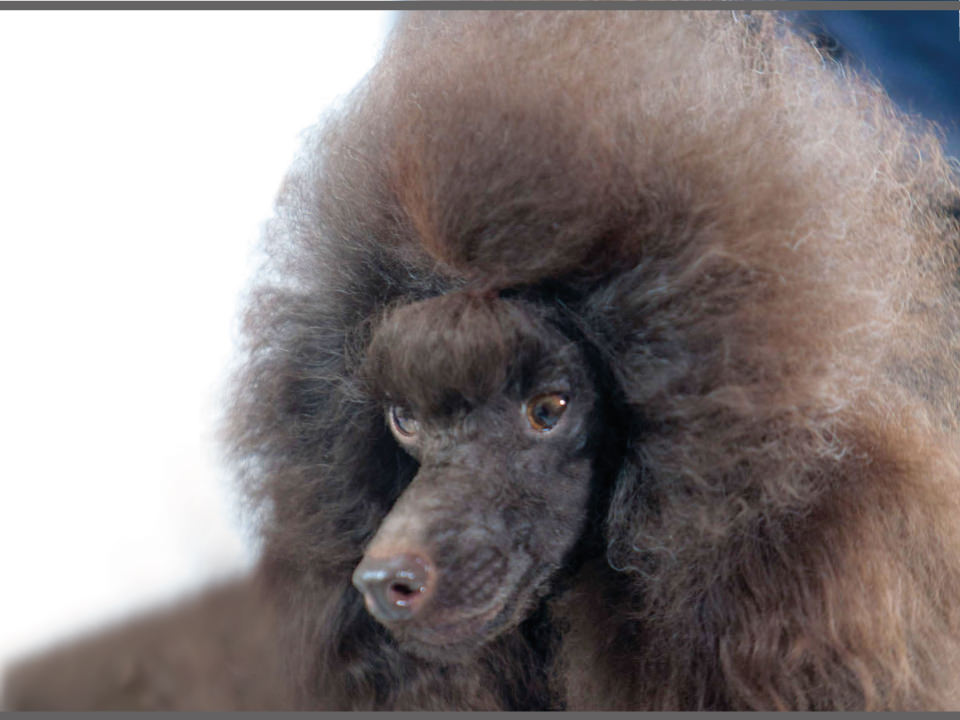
<point>402,594</point>
<point>393,588</point>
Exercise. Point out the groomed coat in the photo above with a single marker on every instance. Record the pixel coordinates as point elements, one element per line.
<point>731,270</point>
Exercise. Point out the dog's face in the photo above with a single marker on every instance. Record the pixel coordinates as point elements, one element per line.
<point>498,408</point>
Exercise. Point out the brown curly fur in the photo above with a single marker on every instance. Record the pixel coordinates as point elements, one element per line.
<point>753,251</point>
<point>214,650</point>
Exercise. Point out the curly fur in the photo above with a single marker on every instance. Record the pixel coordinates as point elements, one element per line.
<point>753,253</point>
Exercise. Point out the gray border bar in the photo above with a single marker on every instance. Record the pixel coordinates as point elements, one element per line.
<point>480,5</point>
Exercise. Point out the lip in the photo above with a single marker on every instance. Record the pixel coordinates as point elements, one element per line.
<point>462,629</point>
<point>464,635</point>
<point>454,640</point>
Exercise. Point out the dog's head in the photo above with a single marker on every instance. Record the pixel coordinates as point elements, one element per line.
<point>501,411</point>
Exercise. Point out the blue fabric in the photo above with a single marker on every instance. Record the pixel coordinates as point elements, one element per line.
<point>914,54</point>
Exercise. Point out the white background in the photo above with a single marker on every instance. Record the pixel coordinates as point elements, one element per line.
<point>139,156</point>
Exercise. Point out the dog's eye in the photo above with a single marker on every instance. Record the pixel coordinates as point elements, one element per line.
<point>402,422</point>
<point>543,411</point>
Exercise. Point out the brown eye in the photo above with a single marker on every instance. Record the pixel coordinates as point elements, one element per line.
<point>543,411</point>
<point>402,422</point>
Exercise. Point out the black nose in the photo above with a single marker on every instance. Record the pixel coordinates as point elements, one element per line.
<point>394,588</point>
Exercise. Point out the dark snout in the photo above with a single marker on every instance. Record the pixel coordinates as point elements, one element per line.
<point>394,588</point>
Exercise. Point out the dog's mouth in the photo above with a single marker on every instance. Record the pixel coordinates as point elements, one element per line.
<point>454,635</point>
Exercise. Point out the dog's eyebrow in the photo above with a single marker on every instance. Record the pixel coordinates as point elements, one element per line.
<point>458,350</point>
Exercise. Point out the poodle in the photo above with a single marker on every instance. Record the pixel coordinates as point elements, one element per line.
<point>609,361</point>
